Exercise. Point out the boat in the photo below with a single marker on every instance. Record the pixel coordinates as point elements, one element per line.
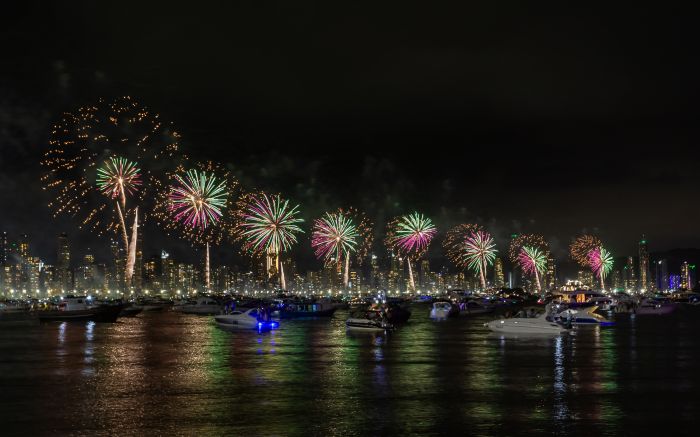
<point>655,306</point>
<point>299,310</point>
<point>582,316</point>
<point>152,304</point>
<point>369,320</point>
<point>16,315</point>
<point>540,324</point>
<point>473,308</point>
<point>443,309</point>
<point>204,306</point>
<point>252,318</point>
<point>686,298</point>
<point>80,309</point>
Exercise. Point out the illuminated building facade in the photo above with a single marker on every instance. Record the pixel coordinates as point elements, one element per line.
<point>643,265</point>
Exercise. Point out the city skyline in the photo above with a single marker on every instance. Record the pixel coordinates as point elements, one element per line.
<point>21,270</point>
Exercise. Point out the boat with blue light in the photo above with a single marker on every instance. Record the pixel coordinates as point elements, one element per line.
<point>253,318</point>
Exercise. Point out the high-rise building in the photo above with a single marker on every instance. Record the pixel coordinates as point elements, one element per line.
<point>498,279</point>
<point>551,282</point>
<point>4,248</point>
<point>686,283</point>
<point>630,279</point>
<point>63,275</point>
<point>24,247</point>
<point>137,280</point>
<point>661,268</point>
<point>643,264</point>
<point>168,272</point>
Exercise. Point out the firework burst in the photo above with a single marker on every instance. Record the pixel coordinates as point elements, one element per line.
<point>469,246</point>
<point>334,237</point>
<point>198,198</point>
<point>530,253</point>
<point>410,235</point>
<point>118,177</point>
<point>479,253</point>
<point>268,225</point>
<point>532,260</point>
<point>601,262</point>
<point>582,246</point>
<point>92,147</point>
<point>196,204</point>
<point>454,242</point>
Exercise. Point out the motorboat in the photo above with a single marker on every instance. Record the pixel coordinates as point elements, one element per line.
<point>686,298</point>
<point>530,320</point>
<point>370,320</point>
<point>204,306</point>
<point>443,309</point>
<point>540,324</point>
<point>473,308</point>
<point>252,318</point>
<point>582,316</point>
<point>299,310</point>
<point>655,306</point>
<point>80,309</point>
<point>152,304</point>
<point>16,315</point>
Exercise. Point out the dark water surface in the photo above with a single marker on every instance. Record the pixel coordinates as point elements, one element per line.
<point>175,374</point>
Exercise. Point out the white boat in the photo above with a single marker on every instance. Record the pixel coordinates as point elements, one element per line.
<point>582,316</point>
<point>442,310</point>
<point>204,305</point>
<point>372,320</point>
<point>250,319</point>
<point>526,325</point>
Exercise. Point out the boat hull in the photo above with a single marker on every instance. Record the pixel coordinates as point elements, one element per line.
<point>366,325</point>
<point>509,326</point>
<point>107,314</point>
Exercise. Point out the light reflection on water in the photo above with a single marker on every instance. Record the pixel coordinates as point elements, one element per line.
<point>179,374</point>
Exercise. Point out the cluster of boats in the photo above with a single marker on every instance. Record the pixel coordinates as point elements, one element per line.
<point>555,313</point>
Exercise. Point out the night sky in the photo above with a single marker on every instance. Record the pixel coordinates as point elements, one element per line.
<point>555,120</point>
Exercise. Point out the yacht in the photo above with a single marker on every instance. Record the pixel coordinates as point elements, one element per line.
<point>80,308</point>
<point>299,310</point>
<point>539,324</point>
<point>204,306</point>
<point>582,316</point>
<point>655,306</point>
<point>473,308</point>
<point>370,320</point>
<point>251,319</point>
